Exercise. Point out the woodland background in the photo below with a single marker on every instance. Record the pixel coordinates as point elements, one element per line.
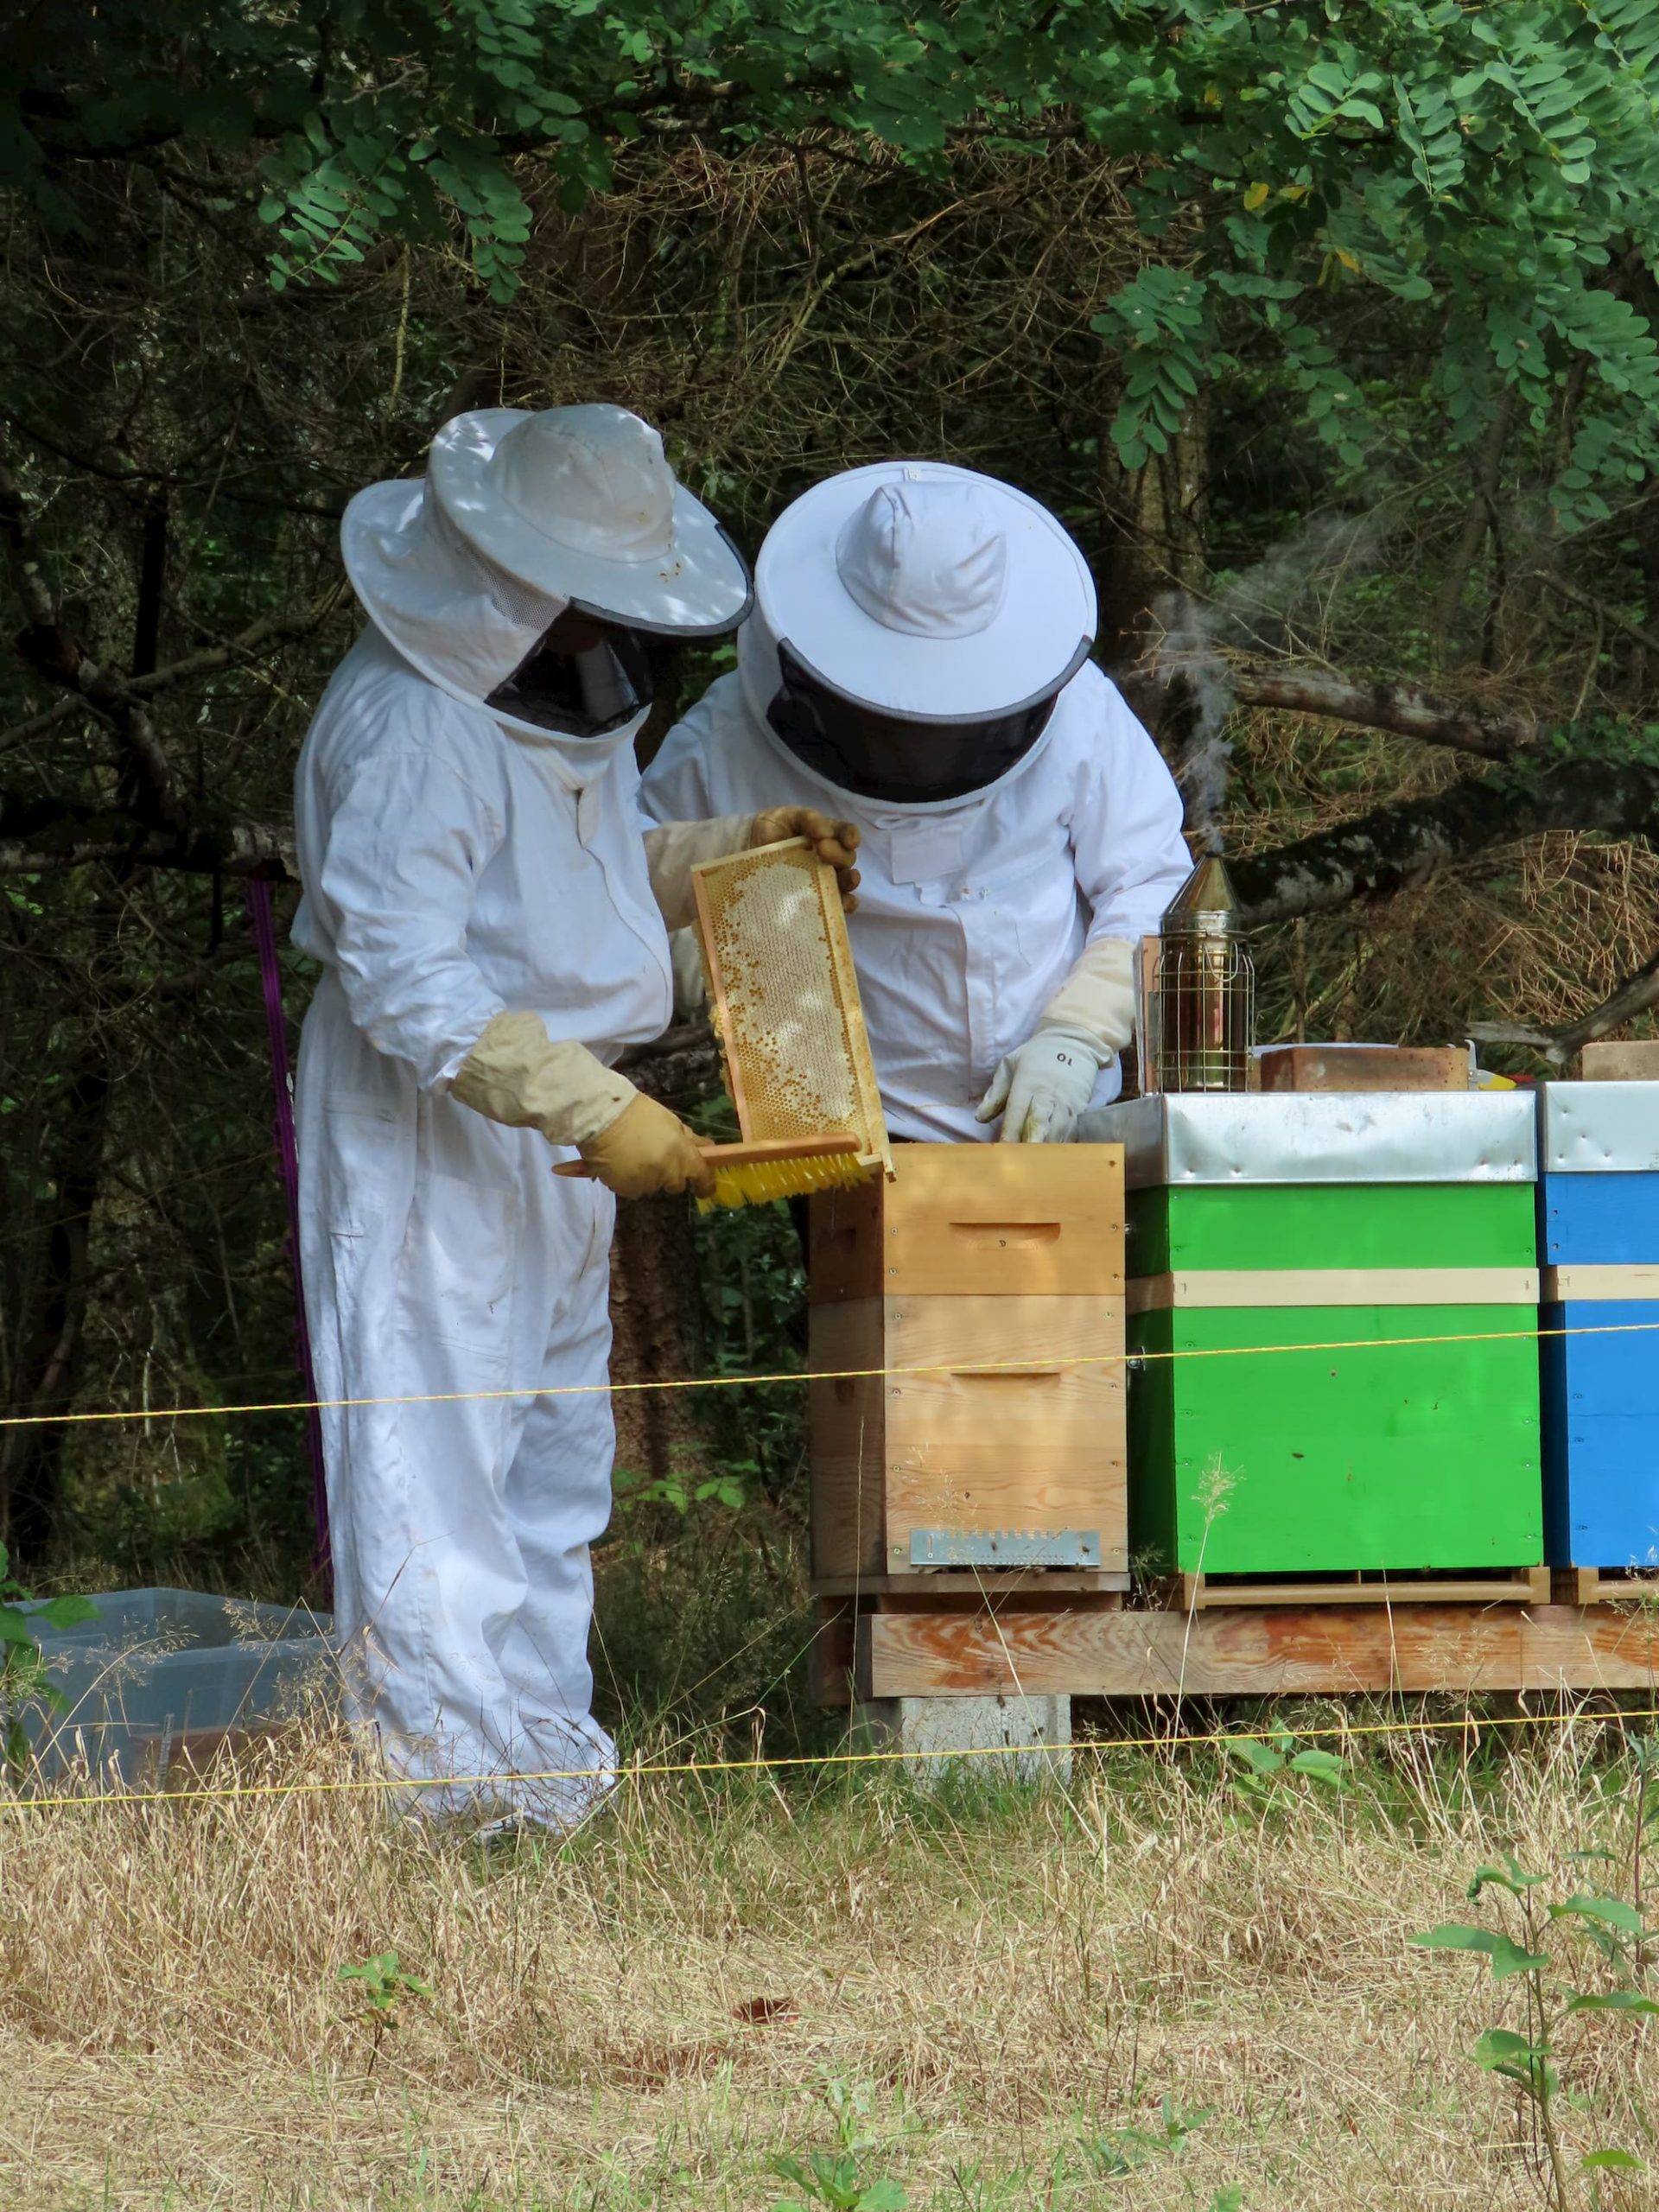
<point>1329,329</point>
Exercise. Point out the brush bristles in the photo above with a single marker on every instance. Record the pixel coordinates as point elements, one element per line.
<point>753,1183</point>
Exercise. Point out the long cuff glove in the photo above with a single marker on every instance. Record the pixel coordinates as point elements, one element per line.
<point>674,848</point>
<point>517,1075</point>
<point>1041,1089</point>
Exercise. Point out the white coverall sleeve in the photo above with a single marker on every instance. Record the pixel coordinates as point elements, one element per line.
<point>1130,860</point>
<point>406,847</point>
<point>1126,828</point>
<point>675,786</point>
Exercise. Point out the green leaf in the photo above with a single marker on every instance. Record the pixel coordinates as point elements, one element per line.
<point>68,1613</point>
<point>1506,1957</point>
<point>1501,2046</point>
<point>1509,1877</point>
<point>1615,2000</point>
<point>1321,1766</point>
<point>1623,2162</point>
<point>14,1628</point>
<point>1261,1757</point>
<point>1612,1911</point>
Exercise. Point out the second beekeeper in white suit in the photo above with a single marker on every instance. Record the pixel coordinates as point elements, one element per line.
<point>917,660</point>
<point>492,933</point>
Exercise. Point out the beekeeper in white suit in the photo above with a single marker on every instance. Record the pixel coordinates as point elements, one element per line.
<point>491,930</point>
<point>917,660</point>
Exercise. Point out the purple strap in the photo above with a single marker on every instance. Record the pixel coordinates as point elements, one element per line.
<point>288,1159</point>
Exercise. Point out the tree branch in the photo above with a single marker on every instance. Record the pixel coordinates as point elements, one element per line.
<point>44,836</point>
<point>1407,711</point>
<point>55,655</point>
<point>1392,846</point>
<point>1642,631</point>
<point>1636,994</point>
<point>682,1063</point>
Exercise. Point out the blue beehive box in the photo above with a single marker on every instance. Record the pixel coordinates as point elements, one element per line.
<point>1598,1245</point>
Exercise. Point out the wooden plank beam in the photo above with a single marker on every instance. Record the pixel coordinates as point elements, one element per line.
<point>1260,1287</point>
<point>1584,1281</point>
<point>1255,1653</point>
<point>1527,1585</point>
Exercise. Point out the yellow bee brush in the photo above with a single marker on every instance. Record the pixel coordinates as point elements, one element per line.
<point>778,1167</point>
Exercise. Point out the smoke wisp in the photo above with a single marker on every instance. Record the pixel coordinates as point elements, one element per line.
<point>1278,606</point>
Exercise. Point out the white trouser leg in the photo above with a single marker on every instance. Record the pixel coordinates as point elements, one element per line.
<point>558,1496</point>
<point>438,1249</point>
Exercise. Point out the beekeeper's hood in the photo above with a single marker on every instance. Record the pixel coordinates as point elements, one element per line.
<point>915,623</point>
<point>520,519</point>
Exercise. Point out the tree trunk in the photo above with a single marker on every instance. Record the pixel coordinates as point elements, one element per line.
<point>1155,524</point>
<point>49,1368</point>
<point>653,1266</point>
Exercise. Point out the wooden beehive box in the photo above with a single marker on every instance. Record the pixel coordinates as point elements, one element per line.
<point>1335,1300</point>
<point>1598,1240</point>
<point>998,1270</point>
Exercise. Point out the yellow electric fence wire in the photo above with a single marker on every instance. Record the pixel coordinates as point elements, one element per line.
<point>671,1769</point>
<point>824,1375</point>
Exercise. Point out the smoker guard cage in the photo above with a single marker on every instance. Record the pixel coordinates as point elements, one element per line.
<point>1198,1012</point>
<point>785,998</point>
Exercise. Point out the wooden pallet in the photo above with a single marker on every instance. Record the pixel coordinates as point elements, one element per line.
<point>1608,1586</point>
<point>837,1668</point>
<point>1524,1585</point>
<point>1098,1648</point>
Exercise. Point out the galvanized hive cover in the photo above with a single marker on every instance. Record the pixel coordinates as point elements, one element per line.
<point>1598,1128</point>
<point>1389,1137</point>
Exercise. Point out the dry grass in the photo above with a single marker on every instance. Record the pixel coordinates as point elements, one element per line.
<point>650,2017</point>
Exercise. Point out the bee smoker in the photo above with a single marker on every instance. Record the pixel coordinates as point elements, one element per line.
<point>1197,990</point>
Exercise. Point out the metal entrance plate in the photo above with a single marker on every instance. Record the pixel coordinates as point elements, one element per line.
<point>1005,1548</point>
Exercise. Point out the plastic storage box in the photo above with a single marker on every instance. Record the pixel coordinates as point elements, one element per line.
<point>164,1674</point>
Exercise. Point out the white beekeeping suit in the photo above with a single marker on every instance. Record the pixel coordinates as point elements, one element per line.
<point>491,935</point>
<point>917,659</point>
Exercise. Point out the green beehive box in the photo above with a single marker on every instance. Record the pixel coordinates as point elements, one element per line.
<point>1335,1298</point>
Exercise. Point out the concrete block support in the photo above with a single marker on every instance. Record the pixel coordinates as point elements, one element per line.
<point>1005,1734</point>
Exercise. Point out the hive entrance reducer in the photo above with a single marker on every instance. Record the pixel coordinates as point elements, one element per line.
<point>790,1027</point>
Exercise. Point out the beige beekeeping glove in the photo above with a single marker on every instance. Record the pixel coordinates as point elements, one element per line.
<point>647,1149</point>
<point>1040,1090</point>
<point>1096,999</point>
<point>835,842</point>
<point>674,848</point>
<point>517,1075</point>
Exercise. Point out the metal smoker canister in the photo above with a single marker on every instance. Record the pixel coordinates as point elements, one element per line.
<point>1197,990</point>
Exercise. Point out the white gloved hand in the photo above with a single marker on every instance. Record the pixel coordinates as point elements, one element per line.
<point>1040,1090</point>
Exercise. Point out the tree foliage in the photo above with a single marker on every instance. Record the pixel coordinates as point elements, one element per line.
<point>1493,168</point>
